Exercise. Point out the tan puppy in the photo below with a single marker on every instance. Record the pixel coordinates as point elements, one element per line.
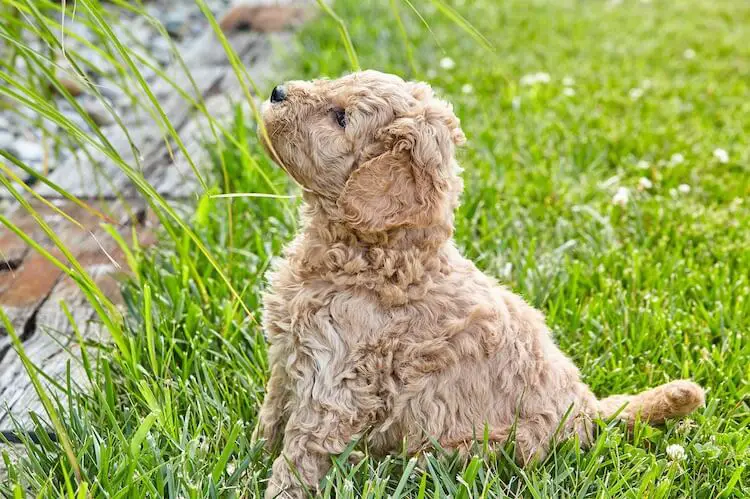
<point>378,326</point>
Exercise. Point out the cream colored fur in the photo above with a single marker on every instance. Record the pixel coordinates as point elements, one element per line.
<point>378,327</point>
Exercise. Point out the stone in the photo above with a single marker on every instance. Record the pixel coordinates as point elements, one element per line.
<point>113,92</point>
<point>98,112</point>
<point>79,29</point>
<point>28,151</point>
<point>261,18</point>
<point>43,127</point>
<point>72,86</point>
<point>94,64</point>
<point>161,50</point>
<point>6,140</point>
<point>73,116</point>
<point>175,25</point>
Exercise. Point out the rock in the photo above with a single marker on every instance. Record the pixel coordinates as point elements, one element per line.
<point>113,92</point>
<point>79,29</point>
<point>28,151</point>
<point>72,86</point>
<point>67,77</point>
<point>46,126</point>
<point>161,50</point>
<point>175,25</point>
<point>6,140</point>
<point>67,110</point>
<point>94,64</point>
<point>261,18</point>
<point>97,111</point>
<point>141,30</point>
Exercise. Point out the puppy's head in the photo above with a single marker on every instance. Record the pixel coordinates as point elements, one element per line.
<point>380,149</point>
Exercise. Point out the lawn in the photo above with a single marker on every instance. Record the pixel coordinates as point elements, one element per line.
<point>607,176</point>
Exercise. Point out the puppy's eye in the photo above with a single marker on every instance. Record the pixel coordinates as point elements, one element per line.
<point>340,116</point>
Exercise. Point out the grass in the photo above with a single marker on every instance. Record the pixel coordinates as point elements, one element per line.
<point>638,294</point>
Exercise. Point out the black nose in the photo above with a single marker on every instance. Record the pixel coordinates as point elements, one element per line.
<point>278,94</point>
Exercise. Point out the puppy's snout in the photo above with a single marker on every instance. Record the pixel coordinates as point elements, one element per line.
<point>278,94</point>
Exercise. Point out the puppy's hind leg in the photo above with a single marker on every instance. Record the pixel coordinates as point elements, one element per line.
<point>673,399</point>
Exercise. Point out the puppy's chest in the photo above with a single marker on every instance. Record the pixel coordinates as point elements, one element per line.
<point>313,314</point>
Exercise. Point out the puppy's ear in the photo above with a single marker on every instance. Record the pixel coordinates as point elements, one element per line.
<point>407,185</point>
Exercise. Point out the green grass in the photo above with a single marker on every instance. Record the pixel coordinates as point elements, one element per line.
<point>637,295</point>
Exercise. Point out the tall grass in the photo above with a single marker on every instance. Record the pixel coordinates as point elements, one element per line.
<point>106,435</point>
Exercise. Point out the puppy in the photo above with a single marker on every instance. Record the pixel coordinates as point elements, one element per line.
<point>378,327</point>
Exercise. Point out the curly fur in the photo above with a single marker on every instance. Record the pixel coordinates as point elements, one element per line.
<point>378,327</point>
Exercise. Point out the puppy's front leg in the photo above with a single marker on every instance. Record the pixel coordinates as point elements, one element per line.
<point>313,433</point>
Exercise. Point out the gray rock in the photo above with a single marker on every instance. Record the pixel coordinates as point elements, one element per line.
<point>67,110</point>
<point>141,30</point>
<point>95,64</point>
<point>45,125</point>
<point>176,24</point>
<point>6,140</point>
<point>28,151</point>
<point>25,115</point>
<point>161,50</point>
<point>112,92</point>
<point>97,111</point>
<point>79,29</point>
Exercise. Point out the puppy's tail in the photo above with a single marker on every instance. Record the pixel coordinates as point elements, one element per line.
<point>673,399</point>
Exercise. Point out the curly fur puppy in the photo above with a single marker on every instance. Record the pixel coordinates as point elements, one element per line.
<point>377,325</point>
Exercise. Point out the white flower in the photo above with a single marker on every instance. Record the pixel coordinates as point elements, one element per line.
<point>534,78</point>
<point>643,165</point>
<point>447,63</point>
<point>527,80</point>
<point>689,54</point>
<point>568,81</point>
<point>684,426</point>
<point>677,159</point>
<point>516,102</point>
<point>676,452</point>
<point>431,73</point>
<point>635,93</point>
<point>683,188</point>
<point>721,155</point>
<point>621,197</point>
<point>467,88</point>
<point>569,92</point>
<point>644,183</point>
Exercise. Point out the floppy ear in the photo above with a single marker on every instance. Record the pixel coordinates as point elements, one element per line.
<point>407,184</point>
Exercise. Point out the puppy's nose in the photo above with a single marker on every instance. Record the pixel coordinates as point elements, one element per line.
<point>278,94</point>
